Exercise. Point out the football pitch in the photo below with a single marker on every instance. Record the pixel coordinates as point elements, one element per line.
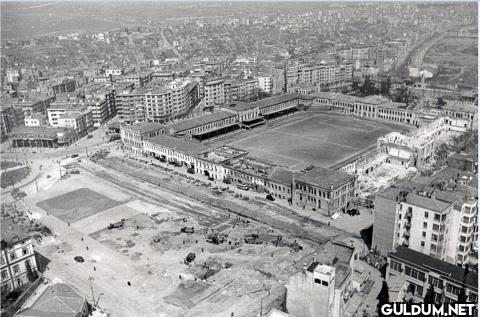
<point>317,139</point>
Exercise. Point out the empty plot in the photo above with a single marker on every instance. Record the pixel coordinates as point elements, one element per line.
<point>320,140</point>
<point>77,204</point>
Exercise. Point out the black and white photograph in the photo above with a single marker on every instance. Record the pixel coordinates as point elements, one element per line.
<point>177,158</point>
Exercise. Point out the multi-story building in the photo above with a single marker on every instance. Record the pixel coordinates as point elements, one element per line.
<point>74,115</point>
<point>418,271</point>
<point>138,79</point>
<point>324,190</point>
<point>241,90</point>
<point>322,288</point>
<point>134,135</point>
<point>36,120</point>
<point>160,103</point>
<point>439,222</point>
<point>265,83</point>
<point>324,73</point>
<point>17,255</point>
<point>34,104</point>
<point>214,92</point>
<point>10,116</point>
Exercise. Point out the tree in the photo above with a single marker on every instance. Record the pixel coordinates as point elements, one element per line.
<point>31,274</point>
<point>367,88</point>
<point>355,86</point>
<point>430,296</point>
<point>385,86</point>
<point>441,102</point>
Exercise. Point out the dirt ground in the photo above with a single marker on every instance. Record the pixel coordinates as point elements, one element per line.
<point>149,251</point>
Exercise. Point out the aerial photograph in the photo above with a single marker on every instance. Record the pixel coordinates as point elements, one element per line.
<point>239,158</point>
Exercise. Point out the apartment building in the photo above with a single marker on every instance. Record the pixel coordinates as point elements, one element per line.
<point>418,271</point>
<point>214,92</point>
<point>76,116</point>
<point>160,102</point>
<point>436,222</point>
<point>265,83</point>
<point>36,120</point>
<point>17,257</point>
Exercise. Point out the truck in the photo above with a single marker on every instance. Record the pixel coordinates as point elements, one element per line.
<point>115,225</point>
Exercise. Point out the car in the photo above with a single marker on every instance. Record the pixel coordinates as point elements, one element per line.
<point>210,178</point>
<point>187,230</point>
<point>191,171</point>
<point>89,136</point>
<point>243,187</point>
<point>79,259</point>
<point>74,155</point>
<point>270,197</point>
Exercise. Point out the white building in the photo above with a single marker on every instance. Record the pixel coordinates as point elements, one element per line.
<point>265,83</point>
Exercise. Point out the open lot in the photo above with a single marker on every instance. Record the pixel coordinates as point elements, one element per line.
<point>77,204</point>
<point>456,58</point>
<point>316,139</point>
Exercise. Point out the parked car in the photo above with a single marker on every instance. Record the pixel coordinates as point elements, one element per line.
<point>227,181</point>
<point>270,197</point>
<point>243,187</point>
<point>191,171</point>
<point>210,178</point>
<point>75,171</point>
<point>187,230</point>
<point>79,259</point>
<point>74,155</point>
<point>89,136</point>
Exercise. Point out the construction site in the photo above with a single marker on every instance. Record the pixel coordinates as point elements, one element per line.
<point>152,250</point>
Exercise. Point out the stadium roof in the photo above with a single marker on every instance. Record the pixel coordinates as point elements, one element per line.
<point>200,121</point>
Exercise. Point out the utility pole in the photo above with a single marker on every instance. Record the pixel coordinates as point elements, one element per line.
<point>91,288</point>
<point>36,184</point>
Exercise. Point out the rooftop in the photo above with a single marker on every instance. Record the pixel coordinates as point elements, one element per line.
<point>281,175</point>
<point>58,300</point>
<point>200,121</point>
<point>450,271</point>
<point>144,127</point>
<point>180,145</point>
<point>36,132</point>
<point>277,99</point>
<point>324,177</point>
<point>12,233</point>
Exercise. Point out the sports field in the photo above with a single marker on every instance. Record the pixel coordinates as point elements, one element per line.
<point>317,139</point>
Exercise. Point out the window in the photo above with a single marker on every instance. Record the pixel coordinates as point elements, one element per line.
<point>434,237</point>
<point>4,274</point>
<point>435,281</point>
<point>24,251</point>
<point>395,266</point>
<point>473,297</point>
<point>426,214</point>
<point>433,247</point>
<point>437,217</point>
<point>464,229</point>
<point>422,244</point>
<point>324,283</point>
<point>424,234</point>
<point>435,227</point>
<point>452,289</point>
<point>13,256</point>
<point>424,225</point>
<point>16,269</point>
